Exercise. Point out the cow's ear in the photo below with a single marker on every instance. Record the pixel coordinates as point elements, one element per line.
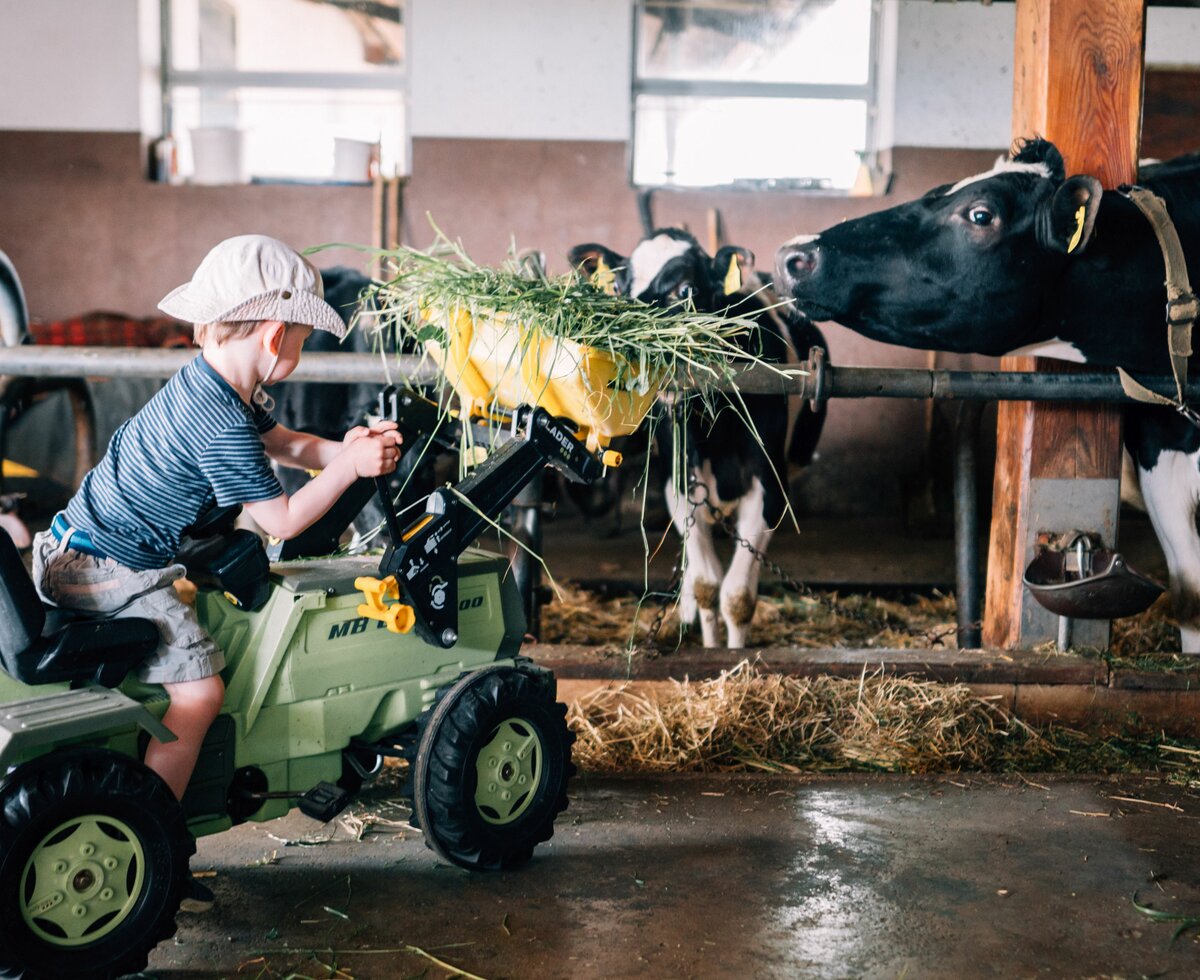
<point>1072,214</point>
<point>731,269</point>
<point>599,265</point>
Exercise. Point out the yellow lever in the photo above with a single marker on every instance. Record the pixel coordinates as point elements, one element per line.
<point>398,617</point>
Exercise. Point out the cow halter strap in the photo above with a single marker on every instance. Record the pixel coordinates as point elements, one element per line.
<point>1182,305</point>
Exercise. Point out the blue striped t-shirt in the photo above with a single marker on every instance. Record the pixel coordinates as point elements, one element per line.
<point>195,443</point>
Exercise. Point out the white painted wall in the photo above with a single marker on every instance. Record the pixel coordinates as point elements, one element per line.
<point>954,74</point>
<point>535,69</point>
<point>69,64</point>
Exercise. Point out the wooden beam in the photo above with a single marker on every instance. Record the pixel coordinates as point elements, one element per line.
<point>1077,81</point>
<point>387,217</point>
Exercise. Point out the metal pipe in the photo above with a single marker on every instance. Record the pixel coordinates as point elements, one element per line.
<point>162,362</point>
<point>1101,385</point>
<point>966,526</point>
<point>1065,628</point>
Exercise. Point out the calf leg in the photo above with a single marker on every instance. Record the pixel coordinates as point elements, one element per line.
<point>739,589</point>
<point>1171,489</point>
<point>698,590</point>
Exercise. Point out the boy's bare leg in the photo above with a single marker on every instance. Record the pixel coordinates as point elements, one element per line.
<point>194,706</point>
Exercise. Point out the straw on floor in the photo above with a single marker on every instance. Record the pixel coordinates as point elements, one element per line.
<point>745,719</point>
<point>748,719</point>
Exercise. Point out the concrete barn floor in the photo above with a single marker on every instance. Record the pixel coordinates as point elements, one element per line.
<point>729,876</point>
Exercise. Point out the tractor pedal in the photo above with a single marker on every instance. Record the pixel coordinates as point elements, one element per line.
<point>324,802</point>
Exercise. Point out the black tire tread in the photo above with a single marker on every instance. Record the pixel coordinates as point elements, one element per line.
<point>448,732</point>
<point>51,783</point>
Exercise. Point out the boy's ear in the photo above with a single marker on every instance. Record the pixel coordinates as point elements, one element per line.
<point>272,336</point>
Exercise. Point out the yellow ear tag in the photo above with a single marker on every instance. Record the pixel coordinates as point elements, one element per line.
<point>603,278</point>
<point>733,278</point>
<point>1079,215</point>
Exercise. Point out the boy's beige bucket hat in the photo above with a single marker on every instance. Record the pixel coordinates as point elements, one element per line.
<point>254,277</point>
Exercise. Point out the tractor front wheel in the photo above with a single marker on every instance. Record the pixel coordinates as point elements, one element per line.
<point>94,853</point>
<point>491,768</point>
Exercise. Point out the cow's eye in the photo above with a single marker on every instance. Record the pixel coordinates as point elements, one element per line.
<point>979,215</point>
<point>683,291</point>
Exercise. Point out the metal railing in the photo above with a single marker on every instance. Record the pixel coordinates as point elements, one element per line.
<point>815,380</point>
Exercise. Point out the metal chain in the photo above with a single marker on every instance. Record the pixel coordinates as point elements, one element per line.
<point>934,636</point>
<point>672,592</point>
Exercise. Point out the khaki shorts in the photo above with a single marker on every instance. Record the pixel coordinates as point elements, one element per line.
<point>104,588</point>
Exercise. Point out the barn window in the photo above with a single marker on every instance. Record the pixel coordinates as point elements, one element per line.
<point>302,90</point>
<point>755,93</point>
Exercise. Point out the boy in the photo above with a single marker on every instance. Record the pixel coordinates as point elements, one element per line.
<point>205,439</point>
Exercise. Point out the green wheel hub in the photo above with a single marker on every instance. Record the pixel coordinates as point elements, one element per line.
<point>509,771</point>
<point>82,880</point>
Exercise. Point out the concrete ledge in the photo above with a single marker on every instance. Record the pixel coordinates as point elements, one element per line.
<point>1040,688</point>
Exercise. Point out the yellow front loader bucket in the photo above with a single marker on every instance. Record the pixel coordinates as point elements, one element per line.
<point>496,363</point>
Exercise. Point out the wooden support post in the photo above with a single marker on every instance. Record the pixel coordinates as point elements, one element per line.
<point>1077,81</point>
<point>387,216</point>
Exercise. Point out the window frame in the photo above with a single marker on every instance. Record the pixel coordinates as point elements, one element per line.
<point>381,80</point>
<point>871,92</point>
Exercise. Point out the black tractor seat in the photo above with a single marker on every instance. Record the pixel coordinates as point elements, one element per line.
<point>46,646</point>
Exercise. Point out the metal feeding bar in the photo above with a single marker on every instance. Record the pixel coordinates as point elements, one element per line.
<point>815,380</point>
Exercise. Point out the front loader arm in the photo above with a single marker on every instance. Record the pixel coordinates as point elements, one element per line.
<point>423,558</point>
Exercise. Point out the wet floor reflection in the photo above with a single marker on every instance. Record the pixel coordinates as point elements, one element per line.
<point>829,914</point>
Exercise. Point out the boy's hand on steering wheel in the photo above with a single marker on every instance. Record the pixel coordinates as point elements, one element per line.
<point>376,428</point>
<point>373,453</point>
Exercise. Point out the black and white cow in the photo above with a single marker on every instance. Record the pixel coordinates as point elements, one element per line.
<point>744,476</point>
<point>1023,259</point>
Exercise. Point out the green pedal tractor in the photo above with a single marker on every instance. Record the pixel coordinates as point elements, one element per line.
<point>333,664</point>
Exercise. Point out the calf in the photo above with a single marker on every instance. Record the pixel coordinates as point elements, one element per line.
<point>1023,259</point>
<point>739,473</point>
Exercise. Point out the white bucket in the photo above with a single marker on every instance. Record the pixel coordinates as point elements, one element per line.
<point>353,160</point>
<point>218,155</point>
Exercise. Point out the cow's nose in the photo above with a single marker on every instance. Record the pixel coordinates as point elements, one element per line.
<point>799,261</point>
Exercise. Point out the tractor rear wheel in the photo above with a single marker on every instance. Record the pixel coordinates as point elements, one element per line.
<point>94,853</point>
<point>491,767</point>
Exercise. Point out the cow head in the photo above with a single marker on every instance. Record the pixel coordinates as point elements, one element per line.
<point>669,268</point>
<point>964,268</point>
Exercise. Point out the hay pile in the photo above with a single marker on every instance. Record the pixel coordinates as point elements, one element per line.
<point>1155,631</point>
<point>746,719</point>
<point>1149,641</point>
<point>579,616</point>
<point>749,720</point>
